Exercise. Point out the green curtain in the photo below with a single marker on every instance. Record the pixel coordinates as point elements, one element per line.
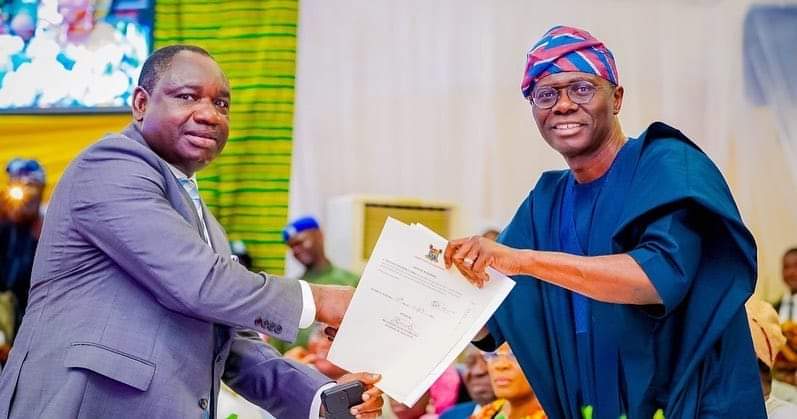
<point>255,44</point>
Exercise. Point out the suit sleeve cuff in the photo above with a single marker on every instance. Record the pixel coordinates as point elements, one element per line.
<point>308,306</point>
<point>315,407</point>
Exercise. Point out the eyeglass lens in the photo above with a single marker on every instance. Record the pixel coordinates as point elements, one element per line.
<point>580,92</point>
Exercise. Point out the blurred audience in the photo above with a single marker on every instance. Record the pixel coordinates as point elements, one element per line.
<point>20,225</point>
<point>315,354</point>
<point>767,340</point>
<point>306,241</point>
<point>516,399</point>
<point>443,394</point>
<point>477,382</point>
<point>784,372</point>
<point>787,306</point>
<point>445,391</point>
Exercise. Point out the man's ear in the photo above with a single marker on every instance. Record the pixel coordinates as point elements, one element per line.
<point>618,99</point>
<point>140,102</point>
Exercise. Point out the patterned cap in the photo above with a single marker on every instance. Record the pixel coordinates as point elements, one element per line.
<point>297,226</point>
<point>24,169</point>
<point>567,49</point>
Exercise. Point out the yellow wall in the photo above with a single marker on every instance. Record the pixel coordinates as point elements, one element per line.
<point>53,140</point>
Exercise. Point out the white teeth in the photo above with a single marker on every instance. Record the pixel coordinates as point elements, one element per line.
<point>567,126</point>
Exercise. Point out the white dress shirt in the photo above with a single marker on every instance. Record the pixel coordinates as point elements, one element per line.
<point>780,409</point>
<point>788,308</point>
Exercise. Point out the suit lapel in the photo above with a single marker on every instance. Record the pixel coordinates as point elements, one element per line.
<point>217,237</point>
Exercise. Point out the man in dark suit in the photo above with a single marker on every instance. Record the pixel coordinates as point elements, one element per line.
<point>136,308</point>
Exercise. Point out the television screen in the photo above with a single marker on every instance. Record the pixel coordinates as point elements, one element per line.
<point>72,55</point>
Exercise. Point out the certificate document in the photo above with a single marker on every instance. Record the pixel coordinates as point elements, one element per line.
<point>410,316</point>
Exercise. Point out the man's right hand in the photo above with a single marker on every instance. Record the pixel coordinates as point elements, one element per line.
<point>331,302</point>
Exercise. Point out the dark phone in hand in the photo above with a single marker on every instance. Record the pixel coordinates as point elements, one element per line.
<point>339,399</point>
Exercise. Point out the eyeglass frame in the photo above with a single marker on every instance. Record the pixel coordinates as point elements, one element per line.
<point>493,356</point>
<point>595,88</point>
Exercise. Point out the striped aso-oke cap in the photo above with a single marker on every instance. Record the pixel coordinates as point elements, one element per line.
<point>567,49</point>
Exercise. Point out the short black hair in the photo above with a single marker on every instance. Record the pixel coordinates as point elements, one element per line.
<point>159,61</point>
<point>790,251</point>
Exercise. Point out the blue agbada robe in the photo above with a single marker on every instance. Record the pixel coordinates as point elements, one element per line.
<point>665,204</point>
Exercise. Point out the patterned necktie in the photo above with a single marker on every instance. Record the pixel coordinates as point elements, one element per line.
<point>190,187</point>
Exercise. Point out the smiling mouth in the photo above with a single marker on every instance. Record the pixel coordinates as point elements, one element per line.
<point>201,140</point>
<point>566,129</point>
<point>567,126</point>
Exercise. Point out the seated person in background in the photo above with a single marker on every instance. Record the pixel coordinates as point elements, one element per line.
<point>20,227</point>
<point>306,241</point>
<point>477,381</point>
<point>767,340</point>
<point>316,353</point>
<point>787,306</point>
<point>516,399</point>
<point>784,371</point>
<point>445,391</point>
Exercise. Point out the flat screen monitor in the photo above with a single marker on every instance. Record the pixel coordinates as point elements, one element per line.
<point>65,56</point>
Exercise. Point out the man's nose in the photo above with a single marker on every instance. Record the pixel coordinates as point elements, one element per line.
<point>563,103</point>
<point>479,369</point>
<point>207,113</point>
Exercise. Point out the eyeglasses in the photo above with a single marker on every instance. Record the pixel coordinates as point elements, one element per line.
<point>580,92</point>
<point>494,356</point>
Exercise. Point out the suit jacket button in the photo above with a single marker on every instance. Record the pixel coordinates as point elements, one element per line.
<point>203,404</point>
<point>278,329</point>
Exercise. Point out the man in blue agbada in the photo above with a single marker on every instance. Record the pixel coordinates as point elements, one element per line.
<point>632,267</point>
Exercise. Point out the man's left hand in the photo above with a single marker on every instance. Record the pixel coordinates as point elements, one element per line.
<point>371,407</point>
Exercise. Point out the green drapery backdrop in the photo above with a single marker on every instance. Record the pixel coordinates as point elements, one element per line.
<point>255,44</point>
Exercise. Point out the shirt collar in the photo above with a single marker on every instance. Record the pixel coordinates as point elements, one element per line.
<point>180,175</point>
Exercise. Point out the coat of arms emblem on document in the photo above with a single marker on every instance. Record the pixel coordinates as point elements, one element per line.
<point>434,253</point>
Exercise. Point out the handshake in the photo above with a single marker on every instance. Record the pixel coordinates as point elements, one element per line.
<point>331,302</point>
